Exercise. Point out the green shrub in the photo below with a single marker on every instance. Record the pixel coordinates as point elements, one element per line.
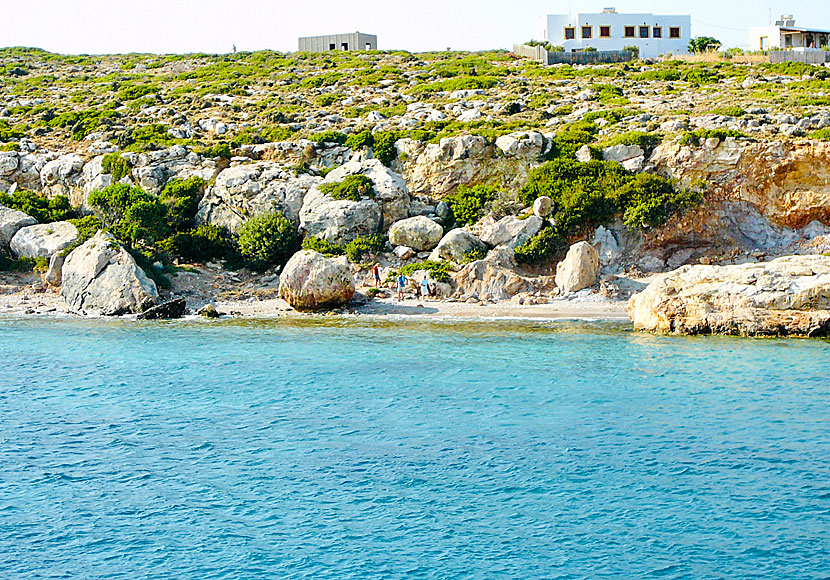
<point>353,187</point>
<point>130,92</point>
<point>8,264</point>
<point>328,99</point>
<point>646,141</point>
<point>468,204</point>
<point>116,165</point>
<point>9,147</point>
<point>131,214</point>
<point>323,246</point>
<point>329,137</point>
<point>9,132</point>
<point>87,227</point>
<point>384,146</point>
<point>541,247</point>
<point>649,201</point>
<point>361,246</point>
<point>438,271</point>
<point>474,255</point>
<point>201,244</point>
<point>82,123</point>
<point>222,150</point>
<point>182,199</point>
<point>40,207</point>
<point>728,111</point>
<point>268,240</point>
<point>822,134</point>
<point>360,140</point>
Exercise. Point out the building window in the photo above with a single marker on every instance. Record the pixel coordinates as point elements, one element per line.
<point>788,41</point>
<point>587,31</point>
<point>332,46</point>
<point>644,32</point>
<point>765,43</point>
<point>657,32</point>
<point>629,32</point>
<point>345,46</point>
<point>570,33</point>
<point>674,32</point>
<point>605,32</point>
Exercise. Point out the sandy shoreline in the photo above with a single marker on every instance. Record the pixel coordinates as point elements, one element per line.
<point>36,300</point>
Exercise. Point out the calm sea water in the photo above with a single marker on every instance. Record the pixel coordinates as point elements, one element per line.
<point>329,449</point>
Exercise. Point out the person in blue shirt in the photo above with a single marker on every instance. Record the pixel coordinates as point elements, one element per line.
<point>425,290</point>
<point>401,285</point>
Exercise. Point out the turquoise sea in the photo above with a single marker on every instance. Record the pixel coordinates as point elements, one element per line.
<point>340,449</point>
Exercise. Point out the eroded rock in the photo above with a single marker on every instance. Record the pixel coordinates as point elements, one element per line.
<point>312,282</point>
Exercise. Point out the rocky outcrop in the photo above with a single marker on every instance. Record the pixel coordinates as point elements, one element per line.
<point>495,278</point>
<point>629,156</point>
<point>312,282</point>
<point>787,296</point>
<point>391,192</point>
<point>579,269</point>
<point>438,169</point>
<point>339,221</point>
<point>11,221</point>
<point>101,278</point>
<point>419,233</point>
<point>509,231</point>
<point>170,310</point>
<point>244,191</point>
<point>456,246</point>
<point>43,240</point>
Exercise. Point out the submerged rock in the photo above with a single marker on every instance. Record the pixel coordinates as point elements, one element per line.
<point>101,278</point>
<point>169,310</point>
<point>312,282</point>
<point>787,296</point>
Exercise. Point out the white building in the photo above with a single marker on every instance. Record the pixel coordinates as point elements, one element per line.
<point>786,35</point>
<point>349,42</point>
<point>609,30</point>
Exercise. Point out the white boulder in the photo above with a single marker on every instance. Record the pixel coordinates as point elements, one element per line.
<point>43,240</point>
<point>11,221</point>
<point>579,269</point>
<point>419,233</point>
<point>312,282</point>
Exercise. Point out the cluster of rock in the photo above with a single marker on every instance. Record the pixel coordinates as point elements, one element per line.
<point>788,296</point>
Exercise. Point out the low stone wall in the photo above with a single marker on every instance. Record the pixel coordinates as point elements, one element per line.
<point>593,57</point>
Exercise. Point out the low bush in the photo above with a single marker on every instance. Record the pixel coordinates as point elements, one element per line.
<point>116,165</point>
<point>323,246</point>
<point>542,247</point>
<point>649,200</point>
<point>384,146</point>
<point>268,240</point>
<point>201,244</point>
<point>182,197</point>
<point>646,141</point>
<point>729,111</point>
<point>360,140</point>
<point>469,204</point>
<point>9,131</point>
<point>329,137</point>
<point>694,138</point>
<point>222,150</point>
<point>438,271</point>
<point>131,214</point>
<point>353,187</point>
<point>359,247</point>
<point>822,134</point>
<point>40,207</point>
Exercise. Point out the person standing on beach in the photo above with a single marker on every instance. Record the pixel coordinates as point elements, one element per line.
<point>425,287</point>
<point>376,272</point>
<point>401,285</point>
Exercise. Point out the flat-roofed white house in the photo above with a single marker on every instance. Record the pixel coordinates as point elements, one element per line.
<point>349,42</point>
<point>785,35</point>
<point>610,30</point>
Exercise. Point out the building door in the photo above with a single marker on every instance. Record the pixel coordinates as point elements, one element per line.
<point>345,46</point>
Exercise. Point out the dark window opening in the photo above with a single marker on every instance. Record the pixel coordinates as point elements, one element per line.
<point>587,31</point>
<point>332,46</point>
<point>570,33</point>
<point>629,32</point>
<point>605,31</point>
<point>644,32</point>
<point>674,32</point>
<point>345,46</point>
<point>657,32</point>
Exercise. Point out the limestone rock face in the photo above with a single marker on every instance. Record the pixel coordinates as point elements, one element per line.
<point>339,221</point>
<point>787,296</point>
<point>11,221</point>
<point>244,191</point>
<point>495,278</point>
<point>527,144</point>
<point>101,278</point>
<point>43,240</point>
<point>629,156</point>
<point>579,269</point>
<point>391,192</point>
<point>511,231</point>
<point>312,282</point>
<point>456,245</point>
<point>419,233</point>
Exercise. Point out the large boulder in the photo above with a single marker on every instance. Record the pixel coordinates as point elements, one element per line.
<point>419,233</point>
<point>11,221</point>
<point>101,278</point>
<point>511,231</point>
<point>339,221</point>
<point>456,246</point>
<point>579,269</point>
<point>43,240</point>
<point>493,278</point>
<point>245,191</point>
<point>631,157</point>
<point>391,192</point>
<point>312,282</point>
<point>787,296</point>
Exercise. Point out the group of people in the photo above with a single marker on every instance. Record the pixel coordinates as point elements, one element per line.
<point>423,289</point>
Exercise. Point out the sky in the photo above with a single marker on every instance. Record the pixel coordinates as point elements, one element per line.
<point>215,26</point>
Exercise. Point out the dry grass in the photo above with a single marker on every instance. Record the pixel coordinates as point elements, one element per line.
<point>715,56</point>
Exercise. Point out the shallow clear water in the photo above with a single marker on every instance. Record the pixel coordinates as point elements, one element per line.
<point>333,449</point>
